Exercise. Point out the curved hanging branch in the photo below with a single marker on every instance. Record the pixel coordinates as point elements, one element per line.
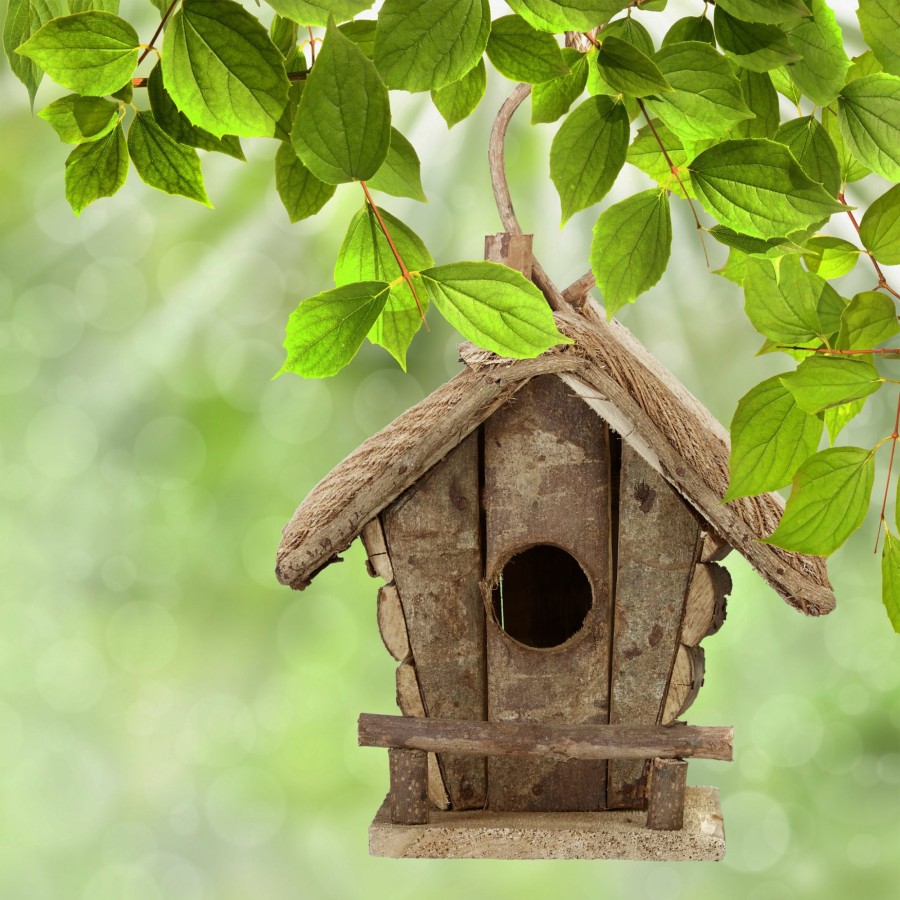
<point>503,199</point>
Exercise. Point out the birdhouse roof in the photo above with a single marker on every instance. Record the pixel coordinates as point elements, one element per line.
<point>620,380</point>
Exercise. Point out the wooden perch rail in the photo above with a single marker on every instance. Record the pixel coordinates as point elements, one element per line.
<point>561,742</point>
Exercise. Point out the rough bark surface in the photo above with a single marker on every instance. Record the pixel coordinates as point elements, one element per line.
<point>409,799</point>
<point>704,609</point>
<point>658,543</point>
<point>665,805</point>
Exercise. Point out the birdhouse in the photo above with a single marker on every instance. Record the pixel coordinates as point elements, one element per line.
<point>549,534</point>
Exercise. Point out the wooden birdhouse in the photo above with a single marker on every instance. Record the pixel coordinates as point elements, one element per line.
<point>548,532</point>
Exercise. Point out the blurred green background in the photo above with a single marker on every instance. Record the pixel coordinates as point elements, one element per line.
<point>173,723</point>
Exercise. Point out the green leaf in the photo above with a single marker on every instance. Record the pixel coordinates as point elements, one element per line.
<point>824,381</point>
<point>457,101</point>
<point>552,99</point>
<point>400,173</point>
<point>302,194</point>
<point>820,73</point>
<point>774,248</point>
<point>644,153</point>
<point>690,28</point>
<point>362,33</point>
<point>808,140</point>
<point>92,53</point>
<point>366,255</point>
<point>567,15</point>
<point>632,32</point>
<point>880,228</point>
<point>522,53</point>
<point>830,257</point>
<point>222,70</point>
<point>735,266</point>
<point>837,417</point>
<point>868,320</point>
<point>422,45</point>
<point>830,306</point>
<point>828,502</point>
<point>162,162</point>
<point>494,307</point>
<point>176,124</point>
<point>761,99</point>
<point>325,332</point>
<point>880,23</point>
<point>753,45</point>
<point>23,19</point>
<point>284,34</point>
<point>316,12</point>
<point>782,303</point>
<point>631,246</point>
<point>110,6</point>
<point>706,100</point>
<point>757,187</point>
<point>96,170</point>
<point>342,130</point>
<point>628,71</point>
<point>784,84</point>
<point>770,438</point>
<point>869,114</point>
<point>863,65</point>
<point>588,152</point>
<point>772,12</point>
<point>851,168</point>
<point>78,120</point>
<point>890,578</point>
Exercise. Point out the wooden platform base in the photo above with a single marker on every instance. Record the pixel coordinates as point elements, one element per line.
<point>604,835</point>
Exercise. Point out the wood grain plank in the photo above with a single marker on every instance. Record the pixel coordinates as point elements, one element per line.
<point>665,805</point>
<point>546,482</point>
<point>433,538</point>
<point>658,543</point>
<point>409,800</point>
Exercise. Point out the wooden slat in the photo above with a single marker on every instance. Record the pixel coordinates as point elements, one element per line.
<point>409,700</point>
<point>665,804</point>
<point>715,548</point>
<point>409,800</point>
<point>378,563</point>
<point>658,544</point>
<point>704,609</point>
<point>560,742</point>
<point>546,470</point>
<point>392,623</point>
<point>685,683</point>
<point>433,537</point>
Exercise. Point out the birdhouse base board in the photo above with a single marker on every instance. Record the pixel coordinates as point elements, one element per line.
<point>611,834</point>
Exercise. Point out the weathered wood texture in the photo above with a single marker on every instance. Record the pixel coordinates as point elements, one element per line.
<point>658,543</point>
<point>715,548</point>
<point>665,804</point>
<point>612,834</point>
<point>409,700</point>
<point>513,250</point>
<point>378,562</point>
<point>685,683</point>
<point>409,798</point>
<point>433,538</point>
<point>392,622</point>
<point>704,609</point>
<point>559,742</point>
<point>546,481</point>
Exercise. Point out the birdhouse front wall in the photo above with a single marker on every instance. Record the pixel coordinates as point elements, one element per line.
<point>540,572</point>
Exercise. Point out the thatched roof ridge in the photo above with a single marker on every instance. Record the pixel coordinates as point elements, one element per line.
<point>618,378</point>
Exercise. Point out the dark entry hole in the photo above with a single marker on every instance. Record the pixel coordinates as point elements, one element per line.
<point>542,597</point>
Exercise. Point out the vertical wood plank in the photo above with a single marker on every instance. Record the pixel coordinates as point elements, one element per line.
<point>392,623</point>
<point>546,462</point>
<point>685,683</point>
<point>409,798</point>
<point>658,544</point>
<point>433,535</point>
<point>665,803</point>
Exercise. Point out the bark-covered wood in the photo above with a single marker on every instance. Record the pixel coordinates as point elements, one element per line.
<point>704,610</point>
<point>409,700</point>
<point>513,250</point>
<point>392,623</point>
<point>546,482</point>
<point>715,548</point>
<point>685,683</point>
<point>665,804</point>
<point>378,562</point>
<point>409,798</point>
<point>658,543</point>
<point>433,537</point>
<point>560,742</point>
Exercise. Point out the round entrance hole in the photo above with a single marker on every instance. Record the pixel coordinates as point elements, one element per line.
<point>542,597</point>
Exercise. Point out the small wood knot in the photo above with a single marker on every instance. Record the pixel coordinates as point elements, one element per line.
<point>460,502</point>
